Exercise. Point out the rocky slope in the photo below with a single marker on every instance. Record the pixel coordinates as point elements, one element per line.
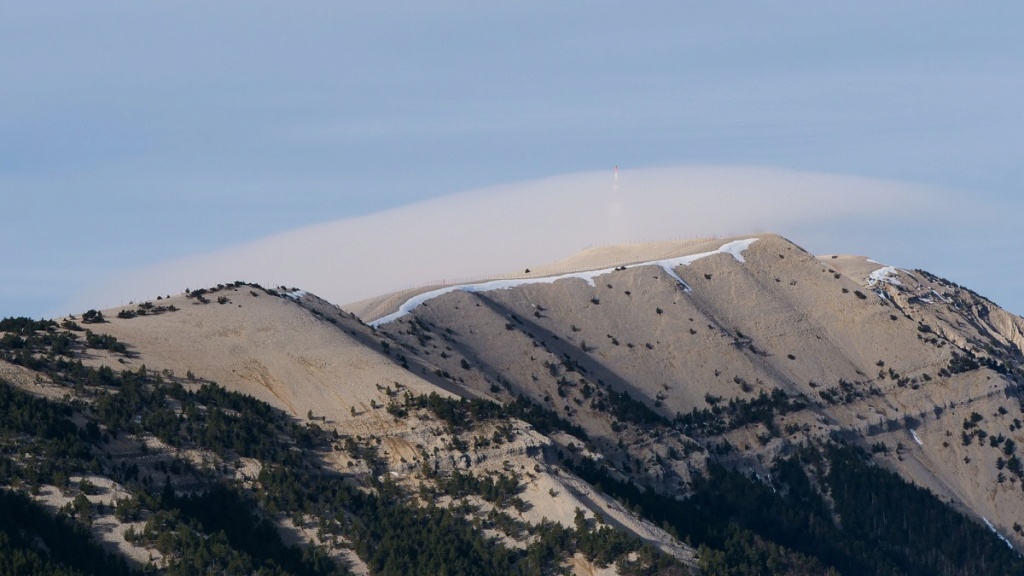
<point>643,390</point>
<point>874,354</point>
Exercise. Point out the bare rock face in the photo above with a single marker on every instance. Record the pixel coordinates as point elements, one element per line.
<point>653,364</point>
<point>846,347</point>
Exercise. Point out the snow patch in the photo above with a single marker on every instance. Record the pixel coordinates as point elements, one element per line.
<point>916,438</point>
<point>415,301</point>
<point>734,249</point>
<point>996,532</point>
<point>886,275</point>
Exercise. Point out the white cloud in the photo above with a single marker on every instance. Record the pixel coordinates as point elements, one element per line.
<point>506,228</point>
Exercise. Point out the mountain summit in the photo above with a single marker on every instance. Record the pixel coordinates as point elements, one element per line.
<point>713,406</point>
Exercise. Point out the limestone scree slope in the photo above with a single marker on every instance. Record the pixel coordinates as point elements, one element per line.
<point>878,356</point>
<point>651,363</point>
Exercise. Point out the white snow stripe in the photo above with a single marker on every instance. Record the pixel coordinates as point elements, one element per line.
<point>735,249</point>
<point>993,529</point>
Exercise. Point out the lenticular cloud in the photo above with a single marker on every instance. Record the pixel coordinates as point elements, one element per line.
<point>500,229</point>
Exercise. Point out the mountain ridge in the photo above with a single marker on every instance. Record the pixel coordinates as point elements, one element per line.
<point>747,353</point>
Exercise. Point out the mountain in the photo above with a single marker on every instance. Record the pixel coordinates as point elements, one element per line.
<point>722,406</point>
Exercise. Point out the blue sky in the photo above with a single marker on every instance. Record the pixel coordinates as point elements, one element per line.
<point>136,133</point>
